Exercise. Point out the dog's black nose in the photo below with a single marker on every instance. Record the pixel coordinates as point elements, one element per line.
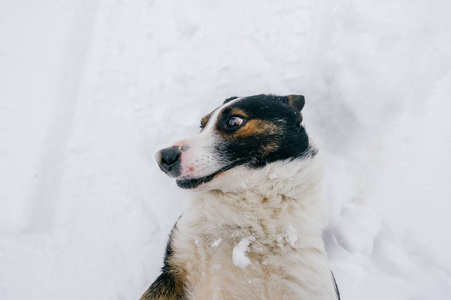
<point>169,160</point>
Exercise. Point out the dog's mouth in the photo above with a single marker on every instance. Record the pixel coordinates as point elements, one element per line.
<point>191,183</point>
<point>194,182</point>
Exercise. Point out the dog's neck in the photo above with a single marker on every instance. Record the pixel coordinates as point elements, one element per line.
<point>266,203</point>
<point>272,218</point>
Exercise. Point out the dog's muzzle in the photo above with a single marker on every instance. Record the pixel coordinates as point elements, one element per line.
<point>169,160</point>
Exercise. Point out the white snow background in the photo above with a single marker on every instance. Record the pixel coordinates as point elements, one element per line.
<point>91,89</point>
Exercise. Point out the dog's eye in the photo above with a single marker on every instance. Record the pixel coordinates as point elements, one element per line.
<point>234,122</point>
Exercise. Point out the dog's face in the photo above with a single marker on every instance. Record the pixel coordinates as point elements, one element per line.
<point>249,132</point>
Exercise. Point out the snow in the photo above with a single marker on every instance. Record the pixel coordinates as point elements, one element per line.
<point>91,89</point>
<point>239,252</point>
<point>291,237</point>
<point>216,243</point>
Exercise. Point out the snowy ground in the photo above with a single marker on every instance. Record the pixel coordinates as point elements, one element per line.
<point>90,89</point>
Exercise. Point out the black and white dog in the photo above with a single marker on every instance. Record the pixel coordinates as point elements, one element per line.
<point>253,229</point>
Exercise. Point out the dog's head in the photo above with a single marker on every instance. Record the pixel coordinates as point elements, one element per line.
<point>248,132</point>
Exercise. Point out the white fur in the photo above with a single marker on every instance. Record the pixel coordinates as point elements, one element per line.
<point>277,213</point>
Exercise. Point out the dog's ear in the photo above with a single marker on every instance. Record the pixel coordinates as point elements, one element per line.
<point>230,99</point>
<point>296,101</point>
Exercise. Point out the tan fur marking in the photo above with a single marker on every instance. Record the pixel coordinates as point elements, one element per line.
<point>296,101</point>
<point>253,127</point>
<point>291,98</point>
<point>239,112</point>
<point>268,148</point>
<point>256,127</point>
<point>205,120</point>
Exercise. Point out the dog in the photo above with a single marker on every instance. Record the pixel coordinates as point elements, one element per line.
<point>253,228</point>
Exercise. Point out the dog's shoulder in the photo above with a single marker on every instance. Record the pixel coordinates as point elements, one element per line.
<point>171,284</point>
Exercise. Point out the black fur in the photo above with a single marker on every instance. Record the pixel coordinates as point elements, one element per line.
<point>229,99</point>
<point>169,285</point>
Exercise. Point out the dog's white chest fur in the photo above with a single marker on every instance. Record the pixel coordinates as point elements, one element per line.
<point>260,238</point>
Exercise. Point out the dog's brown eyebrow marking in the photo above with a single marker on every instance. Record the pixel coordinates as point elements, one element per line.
<point>239,112</point>
<point>256,127</point>
<point>205,120</point>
